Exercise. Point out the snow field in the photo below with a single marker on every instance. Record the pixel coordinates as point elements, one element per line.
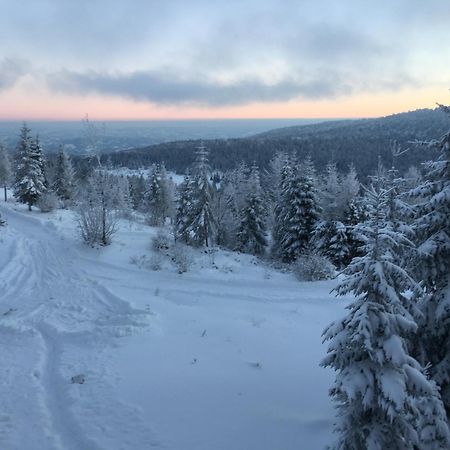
<point>221,357</point>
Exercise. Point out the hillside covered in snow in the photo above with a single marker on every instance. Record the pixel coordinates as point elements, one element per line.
<point>101,352</point>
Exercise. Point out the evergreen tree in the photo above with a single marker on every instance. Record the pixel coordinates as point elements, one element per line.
<point>281,211</point>
<point>432,230</point>
<point>63,183</point>
<point>330,235</point>
<point>297,213</point>
<point>356,213</point>
<point>251,236</point>
<point>29,182</point>
<point>224,212</point>
<point>5,170</point>
<point>183,210</point>
<point>384,399</point>
<point>200,218</point>
<point>159,196</point>
<point>137,191</point>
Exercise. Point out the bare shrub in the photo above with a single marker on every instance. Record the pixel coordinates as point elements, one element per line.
<point>97,225</point>
<point>181,257</point>
<point>162,242</point>
<point>48,202</point>
<point>156,262</point>
<point>313,267</point>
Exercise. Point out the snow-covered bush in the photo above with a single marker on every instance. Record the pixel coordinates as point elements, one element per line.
<point>181,257</point>
<point>97,225</point>
<point>139,260</point>
<point>2,221</point>
<point>155,262</point>
<point>48,202</point>
<point>161,242</point>
<point>313,267</point>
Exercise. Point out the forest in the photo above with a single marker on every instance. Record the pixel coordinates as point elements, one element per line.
<point>359,142</point>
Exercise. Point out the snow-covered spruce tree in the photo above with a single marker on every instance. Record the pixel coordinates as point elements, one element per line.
<point>297,213</point>
<point>184,200</point>
<point>356,213</point>
<point>271,184</point>
<point>251,235</point>
<point>332,233</point>
<point>158,197</point>
<point>224,212</point>
<point>119,194</point>
<point>5,171</point>
<point>29,182</point>
<point>137,191</point>
<point>383,398</point>
<point>201,224</point>
<point>432,230</point>
<point>281,209</point>
<point>63,182</point>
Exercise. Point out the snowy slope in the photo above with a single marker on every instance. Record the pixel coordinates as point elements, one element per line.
<point>217,358</point>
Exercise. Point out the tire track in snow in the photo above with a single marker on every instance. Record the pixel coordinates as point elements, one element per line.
<point>70,435</point>
<point>37,283</point>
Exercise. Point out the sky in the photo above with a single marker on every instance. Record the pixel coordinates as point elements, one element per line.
<point>175,59</point>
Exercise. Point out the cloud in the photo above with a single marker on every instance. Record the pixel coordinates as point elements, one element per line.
<point>11,70</point>
<point>169,89</point>
<point>226,53</point>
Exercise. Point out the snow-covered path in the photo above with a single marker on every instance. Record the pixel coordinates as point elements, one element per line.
<point>55,323</point>
<point>208,360</point>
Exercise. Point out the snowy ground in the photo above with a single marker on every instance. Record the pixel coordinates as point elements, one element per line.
<point>219,358</point>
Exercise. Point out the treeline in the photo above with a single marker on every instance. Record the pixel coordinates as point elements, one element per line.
<point>358,142</point>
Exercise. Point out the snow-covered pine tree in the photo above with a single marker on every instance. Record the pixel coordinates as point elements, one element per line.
<point>383,397</point>
<point>5,170</point>
<point>271,183</point>
<point>251,235</point>
<point>356,213</point>
<point>200,217</point>
<point>223,210</point>
<point>432,230</point>
<point>350,186</point>
<point>281,210</point>
<point>184,205</point>
<point>330,194</point>
<point>159,196</point>
<point>64,179</point>
<point>297,213</point>
<point>29,182</point>
<point>228,200</point>
<point>332,235</point>
<point>119,194</point>
<point>137,191</point>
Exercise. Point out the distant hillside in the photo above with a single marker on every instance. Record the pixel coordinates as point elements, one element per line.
<point>360,142</point>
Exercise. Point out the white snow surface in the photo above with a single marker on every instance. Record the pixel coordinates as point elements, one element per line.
<point>224,357</point>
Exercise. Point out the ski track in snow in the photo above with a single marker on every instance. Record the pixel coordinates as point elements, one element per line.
<point>39,316</point>
<point>204,376</point>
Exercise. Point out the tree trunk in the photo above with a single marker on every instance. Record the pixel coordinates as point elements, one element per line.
<point>29,206</point>
<point>104,225</point>
<point>6,194</point>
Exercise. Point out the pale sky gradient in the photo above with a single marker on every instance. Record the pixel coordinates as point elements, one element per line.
<point>145,59</point>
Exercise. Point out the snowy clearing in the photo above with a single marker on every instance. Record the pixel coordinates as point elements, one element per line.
<point>214,359</point>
